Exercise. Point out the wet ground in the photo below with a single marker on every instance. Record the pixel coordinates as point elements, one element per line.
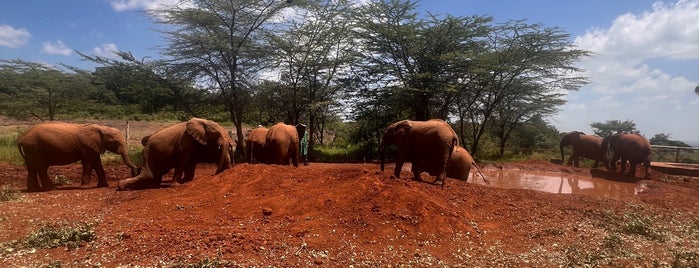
<point>560,183</point>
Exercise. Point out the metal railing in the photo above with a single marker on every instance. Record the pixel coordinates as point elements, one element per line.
<point>676,150</point>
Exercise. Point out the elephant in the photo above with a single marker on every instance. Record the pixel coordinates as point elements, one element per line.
<point>630,147</point>
<point>182,146</point>
<point>586,146</point>
<point>282,144</point>
<point>428,145</point>
<point>56,143</point>
<point>460,164</point>
<point>255,145</point>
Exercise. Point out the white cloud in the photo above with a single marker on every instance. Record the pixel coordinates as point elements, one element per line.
<point>633,73</point>
<point>123,5</point>
<point>14,38</point>
<point>669,31</point>
<point>57,48</point>
<point>106,50</point>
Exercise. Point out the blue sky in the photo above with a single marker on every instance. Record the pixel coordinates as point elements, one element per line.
<point>645,67</point>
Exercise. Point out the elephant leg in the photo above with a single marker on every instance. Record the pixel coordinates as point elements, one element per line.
<point>576,162</point>
<point>612,162</point>
<point>416,175</point>
<point>572,158</point>
<point>32,180</point>
<point>623,164</point>
<point>177,175</point>
<point>101,175</point>
<point>647,164</point>
<point>46,183</point>
<point>632,169</point>
<point>397,169</point>
<point>189,172</point>
<point>596,164</point>
<point>87,171</point>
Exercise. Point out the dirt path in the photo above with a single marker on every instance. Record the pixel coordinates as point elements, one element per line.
<point>353,214</point>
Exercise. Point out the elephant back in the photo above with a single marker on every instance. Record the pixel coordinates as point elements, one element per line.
<point>460,164</point>
<point>281,144</point>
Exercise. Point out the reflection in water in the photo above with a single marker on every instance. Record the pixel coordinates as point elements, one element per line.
<point>558,183</point>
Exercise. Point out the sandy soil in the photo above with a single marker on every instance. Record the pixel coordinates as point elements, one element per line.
<point>353,215</point>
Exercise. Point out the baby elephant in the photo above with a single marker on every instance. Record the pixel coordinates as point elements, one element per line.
<point>55,143</point>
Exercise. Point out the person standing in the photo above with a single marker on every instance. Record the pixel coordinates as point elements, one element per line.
<point>303,137</point>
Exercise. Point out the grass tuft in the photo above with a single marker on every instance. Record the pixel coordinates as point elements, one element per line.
<point>53,235</point>
<point>638,224</point>
<point>8,194</point>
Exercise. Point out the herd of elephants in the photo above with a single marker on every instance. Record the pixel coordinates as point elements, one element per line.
<point>430,146</point>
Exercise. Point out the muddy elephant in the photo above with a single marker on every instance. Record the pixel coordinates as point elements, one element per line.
<point>428,145</point>
<point>628,147</point>
<point>282,144</point>
<point>55,143</point>
<point>255,145</point>
<point>585,146</point>
<point>182,146</point>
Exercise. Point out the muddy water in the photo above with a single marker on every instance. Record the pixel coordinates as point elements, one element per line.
<point>559,183</point>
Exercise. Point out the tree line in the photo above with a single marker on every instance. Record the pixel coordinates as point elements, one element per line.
<point>331,64</point>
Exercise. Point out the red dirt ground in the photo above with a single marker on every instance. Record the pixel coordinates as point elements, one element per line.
<point>350,215</point>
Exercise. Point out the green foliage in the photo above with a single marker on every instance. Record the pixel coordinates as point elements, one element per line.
<point>613,126</point>
<point>8,146</point>
<point>638,224</point>
<point>52,235</point>
<point>339,154</point>
<point>8,194</point>
<point>664,139</point>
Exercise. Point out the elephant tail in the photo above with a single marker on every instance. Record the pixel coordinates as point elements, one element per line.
<point>481,173</point>
<point>21,151</point>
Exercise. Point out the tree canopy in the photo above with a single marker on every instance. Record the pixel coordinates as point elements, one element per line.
<point>321,61</point>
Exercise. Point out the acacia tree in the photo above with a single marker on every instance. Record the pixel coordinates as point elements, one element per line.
<point>220,44</point>
<point>312,55</point>
<point>613,126</point>
<point>410,67</point>
<point>521,62</point>
<point>524,103</point>
<point>36,90</point>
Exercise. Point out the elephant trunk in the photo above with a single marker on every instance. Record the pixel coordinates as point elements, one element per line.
<point>225,159</point>
<point>382,152</point>
<point>562,156</point>
<point>127,160</point>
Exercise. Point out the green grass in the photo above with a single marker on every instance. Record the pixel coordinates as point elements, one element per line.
<point>8,146</point>
<point>8,194</point>
<point>637,224</point>
<point>53,235</point>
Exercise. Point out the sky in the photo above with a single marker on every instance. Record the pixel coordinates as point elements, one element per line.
<point>644,68</point>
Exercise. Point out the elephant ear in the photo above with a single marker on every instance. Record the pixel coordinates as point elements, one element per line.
<point>92,137</point>
<point>196,128</point>
<point>402,128</point>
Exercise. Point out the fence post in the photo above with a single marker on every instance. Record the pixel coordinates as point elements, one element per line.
<point>128,134</point>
